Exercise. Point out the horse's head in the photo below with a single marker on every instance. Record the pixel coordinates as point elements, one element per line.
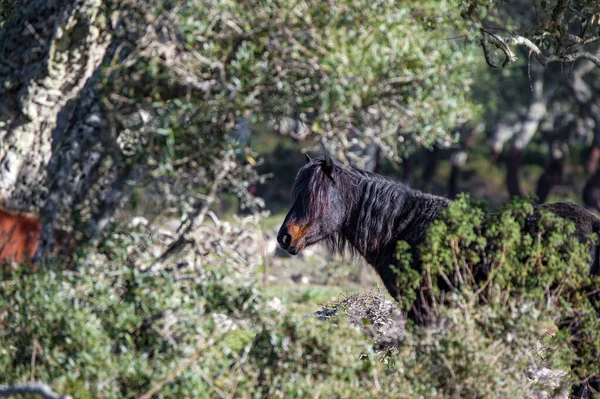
<point>318,207</point>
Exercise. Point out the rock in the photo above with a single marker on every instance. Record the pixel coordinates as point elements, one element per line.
<point>138,221</point>
<point>299,278</point>
<point>276,305</point>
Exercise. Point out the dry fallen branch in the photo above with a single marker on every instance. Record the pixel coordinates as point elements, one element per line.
<point>196,218</point>
<point>31,388</point>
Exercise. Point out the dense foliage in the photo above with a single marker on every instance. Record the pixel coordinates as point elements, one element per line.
<point>506,264</point>
<point>359,71</point>
<point>551,31</point>
<point>180,84</point>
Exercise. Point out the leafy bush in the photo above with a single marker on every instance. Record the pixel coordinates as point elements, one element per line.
<point>110,333</point>
<point>505,266</point>
<point>117,333</point>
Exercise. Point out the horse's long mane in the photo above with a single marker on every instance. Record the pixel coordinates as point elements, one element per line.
<point>381,209</point>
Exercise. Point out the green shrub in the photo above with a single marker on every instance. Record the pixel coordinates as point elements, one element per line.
<point>504,265</point>
<point>111,333</point>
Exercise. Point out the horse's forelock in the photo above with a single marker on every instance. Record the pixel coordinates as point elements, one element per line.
<point>319,184</point>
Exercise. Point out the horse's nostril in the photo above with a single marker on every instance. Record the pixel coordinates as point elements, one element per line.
<point>284,240</point>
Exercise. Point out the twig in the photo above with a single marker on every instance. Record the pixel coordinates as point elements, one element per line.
<point>182,367</point>
<point>453,246</point>
<point>238,368</point>
<point>448,366</point>
<point>31,388</point>
<point>36,346</point>
<point>211,384</point>
<point>36,35</point>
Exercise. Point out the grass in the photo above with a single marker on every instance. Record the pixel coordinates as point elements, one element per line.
<point>307,298</point>
<point>272,222</point>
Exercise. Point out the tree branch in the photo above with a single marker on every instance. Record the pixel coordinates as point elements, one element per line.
<point>486,52</point>
<point>497,41</point>
<point>558,13</point>
<point>30,388</point>
<point>504,43</point>
<point>581,40</point>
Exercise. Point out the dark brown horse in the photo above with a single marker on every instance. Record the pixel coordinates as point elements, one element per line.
<point>369,214</point>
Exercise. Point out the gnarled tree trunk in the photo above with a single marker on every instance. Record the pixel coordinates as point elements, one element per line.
<point>62,156</point>
<point>48,51</point>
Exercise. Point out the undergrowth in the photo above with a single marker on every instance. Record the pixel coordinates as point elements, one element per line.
<point>205,330</point>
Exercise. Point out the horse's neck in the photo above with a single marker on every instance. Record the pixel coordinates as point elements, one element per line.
<point>406,218</point>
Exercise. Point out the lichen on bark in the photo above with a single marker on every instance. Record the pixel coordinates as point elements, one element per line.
<point>48,51</point>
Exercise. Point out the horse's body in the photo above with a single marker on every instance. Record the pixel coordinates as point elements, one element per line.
<point>371,213</point>
<point>19,236</point>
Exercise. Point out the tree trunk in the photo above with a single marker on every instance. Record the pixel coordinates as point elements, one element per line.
<point>48,51</point>
<point>459,156</point>
<point>63,156</point>
<point>408,170</point>
<point>590,106</point>
<point>536,111</point>
<point>431,166</point>
<point>591,192</point>
<point>551,176</point>
<point>513,164</point>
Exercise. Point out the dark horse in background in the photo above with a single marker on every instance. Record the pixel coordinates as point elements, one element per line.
<point>369,214</point>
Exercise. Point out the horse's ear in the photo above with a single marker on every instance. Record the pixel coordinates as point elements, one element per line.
<point>327,165</point>
<point>307,158</point>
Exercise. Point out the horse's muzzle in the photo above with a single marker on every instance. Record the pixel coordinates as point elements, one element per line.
<point>285,242</point>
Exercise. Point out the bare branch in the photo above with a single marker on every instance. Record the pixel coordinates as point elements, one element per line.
<point>581,40</point>
<point>486,52</point>
<point>488,37</point>
<point>503,44</point>
<point>31,388</point>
